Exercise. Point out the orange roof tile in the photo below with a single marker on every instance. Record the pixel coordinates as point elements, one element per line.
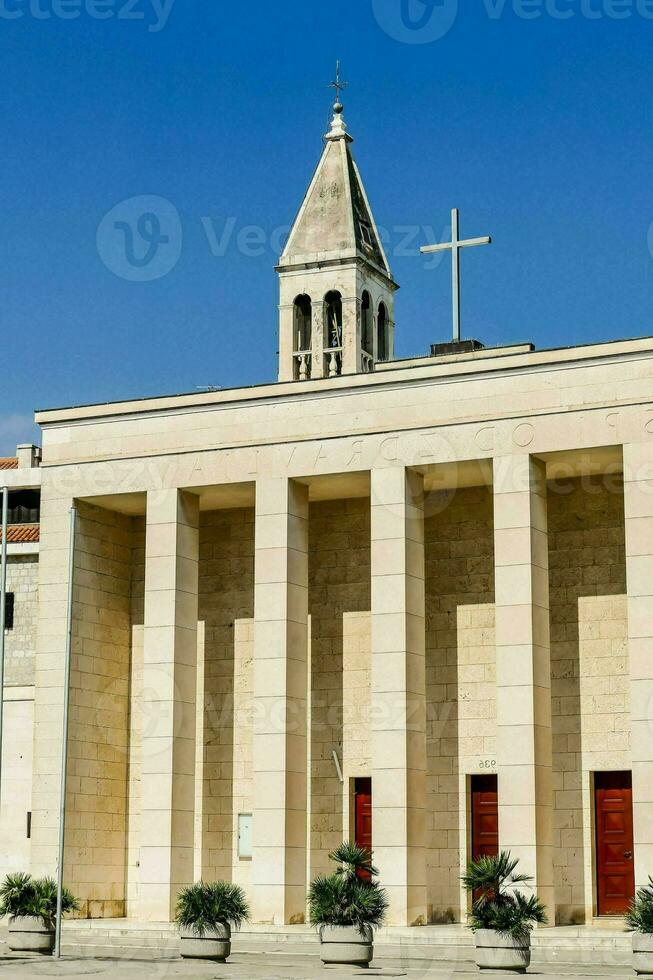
<point>23,533</point>
<point>8,463</point>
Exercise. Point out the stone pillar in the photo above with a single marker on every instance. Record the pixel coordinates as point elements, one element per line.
<point>169,700</point>
<point>399,691</point>
<point>280,692</point>
<point>286,342</point>
<point>49,680</point>
<point>317,331</point>
<point>351,335</point>
<point>638,504</point>
<point>524,746</point>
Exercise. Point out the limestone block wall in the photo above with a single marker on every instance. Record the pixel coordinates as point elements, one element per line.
<point>136,719</point>
<point>356,704</point>
<point>20,642</point>
<point>243,741</point>
<point>339,605</point>
<point>20,652</point>
<point>99,713</point>
<point>589,667</point>
<point>17,754</point>
<point>460,659</point>
<point>226,595</point>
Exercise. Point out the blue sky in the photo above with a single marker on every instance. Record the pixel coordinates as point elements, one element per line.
<point>531,116</point>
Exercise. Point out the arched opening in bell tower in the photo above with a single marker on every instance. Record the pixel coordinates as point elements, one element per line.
<point>382,334</point>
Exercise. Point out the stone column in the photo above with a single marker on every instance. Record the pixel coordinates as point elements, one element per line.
<point>49,680</point>
<point>286,342</point>
<point>280,690</point>
<point>317,331</point>
<point>399,691</point>
<point>169,700</point>
<point>638,504</point>
<point>524,746</point>
<point>351,335</point>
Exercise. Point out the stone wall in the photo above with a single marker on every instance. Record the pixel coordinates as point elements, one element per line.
<point>589,667</point>
<point>226,595</point>
<point>20,642</point>
<point>96,828</point>
<point>17,747</point>
<point>17,750</point>
<point>339,589</point>
<point>136,720</point>
<point>460,663</point>
<point>243,741</point>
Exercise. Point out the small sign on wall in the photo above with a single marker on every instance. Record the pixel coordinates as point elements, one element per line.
<point>244,835</point>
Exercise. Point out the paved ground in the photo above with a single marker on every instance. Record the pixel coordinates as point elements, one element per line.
<point>267,966</point>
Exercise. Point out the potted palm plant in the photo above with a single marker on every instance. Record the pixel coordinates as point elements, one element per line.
<point>31,905</point>
<point>640,919</point>
<point>502,918</point>
<point>205,915</point>
<point>347,906</point>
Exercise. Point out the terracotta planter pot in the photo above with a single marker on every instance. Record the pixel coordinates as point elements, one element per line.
<point>214,944</point>
<point>28,934</point>
<point>347,944</point>
<point>643,954</point>
<point>498,951</point>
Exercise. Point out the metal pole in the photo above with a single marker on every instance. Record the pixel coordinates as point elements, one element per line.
<point>64,749</point>
<point>455,272</point>
<point>3,610</point>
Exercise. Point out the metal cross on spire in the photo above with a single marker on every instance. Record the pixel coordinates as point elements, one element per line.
<point>338,85</point>
<point>455,245</point>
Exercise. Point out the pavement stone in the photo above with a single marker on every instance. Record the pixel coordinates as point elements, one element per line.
<point>264,965</point>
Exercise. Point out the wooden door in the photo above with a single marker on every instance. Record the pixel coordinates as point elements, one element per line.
<point>363,813</point>
<point>615,868</point>
<point>485,816</point>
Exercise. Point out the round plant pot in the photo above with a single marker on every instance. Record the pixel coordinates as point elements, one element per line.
<point>496,951</point>
<point>643,954</point>
<point>213,944</point>
<point>347,945</point>
<point>29,934</point>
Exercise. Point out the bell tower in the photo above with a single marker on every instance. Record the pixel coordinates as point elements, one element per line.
<point>336,312</point>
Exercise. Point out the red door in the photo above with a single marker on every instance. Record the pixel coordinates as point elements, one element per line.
<point>485,816</point>
<point>615,868</point>
<point>363,813</point>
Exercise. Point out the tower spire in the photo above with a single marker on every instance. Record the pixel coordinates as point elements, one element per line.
<point>338,124</point>
<point>336,288</point>
<point>338,85</point>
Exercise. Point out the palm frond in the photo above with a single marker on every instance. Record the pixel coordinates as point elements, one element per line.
<point>203,906</point>
<point>639,917</point>
<point>500,906</point>
<point>20,894</point>
<point>353,860</point>
<point>351,896</point>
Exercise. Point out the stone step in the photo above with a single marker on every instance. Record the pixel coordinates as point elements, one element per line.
<point>455,944</point>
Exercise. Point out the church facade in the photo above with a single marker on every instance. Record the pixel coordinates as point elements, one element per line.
<point>404,602</point>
